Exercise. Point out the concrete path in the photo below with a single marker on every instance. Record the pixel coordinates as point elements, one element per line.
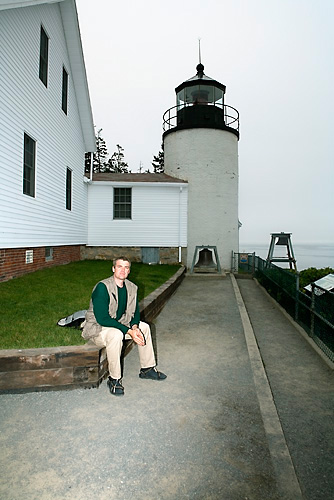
<point>212,430</point>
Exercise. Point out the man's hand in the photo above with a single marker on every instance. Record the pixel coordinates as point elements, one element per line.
<point>137,335</point>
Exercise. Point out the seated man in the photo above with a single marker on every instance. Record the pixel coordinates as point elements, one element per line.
<point>112,317</point>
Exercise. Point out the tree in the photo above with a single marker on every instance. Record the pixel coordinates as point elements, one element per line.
<point>99,156</point>
<point>158,162</point>
<point>116,162</point>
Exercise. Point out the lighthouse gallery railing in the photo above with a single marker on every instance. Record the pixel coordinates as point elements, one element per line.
<point>231,115</point>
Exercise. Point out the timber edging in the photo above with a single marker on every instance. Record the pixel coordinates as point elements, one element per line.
<point>70,367</point>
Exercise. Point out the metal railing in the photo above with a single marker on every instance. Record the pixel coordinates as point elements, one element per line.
<point>314,312</point>
<point>231,115</point>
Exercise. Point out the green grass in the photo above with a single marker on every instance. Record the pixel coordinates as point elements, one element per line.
<point>31,305</point>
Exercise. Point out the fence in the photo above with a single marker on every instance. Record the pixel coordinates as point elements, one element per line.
<point>314,312</point>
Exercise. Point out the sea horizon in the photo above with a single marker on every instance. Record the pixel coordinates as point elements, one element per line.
<point>318,255</point>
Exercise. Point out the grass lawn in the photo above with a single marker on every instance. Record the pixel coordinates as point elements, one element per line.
<point>32,304</point>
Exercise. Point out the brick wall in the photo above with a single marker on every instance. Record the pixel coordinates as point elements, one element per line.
<point>13,260</point>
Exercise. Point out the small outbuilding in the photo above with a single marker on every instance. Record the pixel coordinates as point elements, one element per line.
<point>141,215</point>
<point>326,283</point>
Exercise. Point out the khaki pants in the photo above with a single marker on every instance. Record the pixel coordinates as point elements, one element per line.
<point>112,340</point>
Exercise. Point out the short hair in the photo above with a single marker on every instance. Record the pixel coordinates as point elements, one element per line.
<point>122,257</point>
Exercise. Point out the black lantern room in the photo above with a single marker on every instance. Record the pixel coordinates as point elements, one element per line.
<point>200,103</point>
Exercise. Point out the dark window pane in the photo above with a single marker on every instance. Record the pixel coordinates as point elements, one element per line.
<point>69,189</point>
<point>64,91</point>
<point>29,166</point>
<point>43,57</point>
<point>122,203</point>
<point>48,253</point>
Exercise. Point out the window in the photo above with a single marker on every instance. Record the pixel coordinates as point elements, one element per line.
<point>64,95</point>
<point>68,189</point>
<point>29,166</point>
<point>48,254</point>
<point>122,203</point>
<point>43,57</point>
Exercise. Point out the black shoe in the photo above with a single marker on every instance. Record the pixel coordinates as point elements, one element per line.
<point>115,386</point>
<point>152,373</point>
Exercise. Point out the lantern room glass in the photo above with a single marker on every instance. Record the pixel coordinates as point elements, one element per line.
<point>199,94</point>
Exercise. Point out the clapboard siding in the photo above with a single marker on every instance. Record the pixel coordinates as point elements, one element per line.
<point>156,214</point>
<point>27,106</point>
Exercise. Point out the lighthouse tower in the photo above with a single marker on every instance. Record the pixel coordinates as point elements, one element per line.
<point>200,141</point>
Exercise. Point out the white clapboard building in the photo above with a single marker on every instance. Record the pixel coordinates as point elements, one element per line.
<point>46,127</point>
<point>141,215</point>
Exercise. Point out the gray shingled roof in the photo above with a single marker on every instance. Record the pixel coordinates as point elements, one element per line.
<point>136,178</point>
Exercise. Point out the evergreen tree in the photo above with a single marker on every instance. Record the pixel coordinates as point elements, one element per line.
<point>158,162</point>
<point>99,156</point>
<point>116,162</point>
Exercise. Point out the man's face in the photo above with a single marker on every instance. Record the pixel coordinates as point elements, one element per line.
<point>121,269</point>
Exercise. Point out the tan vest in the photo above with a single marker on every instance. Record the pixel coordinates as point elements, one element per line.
<point>91,328</point>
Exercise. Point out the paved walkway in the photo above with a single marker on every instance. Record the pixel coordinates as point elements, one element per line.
<point>220,427</point>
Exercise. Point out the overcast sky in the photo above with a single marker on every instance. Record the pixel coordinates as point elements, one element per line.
<point>275,58</point>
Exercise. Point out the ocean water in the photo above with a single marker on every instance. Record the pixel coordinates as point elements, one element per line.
<point>306,255</point>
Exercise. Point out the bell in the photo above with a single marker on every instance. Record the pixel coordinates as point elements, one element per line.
<point>205,258</point>
<point>282,240</point>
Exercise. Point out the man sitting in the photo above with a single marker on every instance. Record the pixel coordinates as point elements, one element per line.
<point>112,317</point>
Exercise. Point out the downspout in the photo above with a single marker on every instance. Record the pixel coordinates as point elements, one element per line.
<point>180,220</point>
<point>91,166</point>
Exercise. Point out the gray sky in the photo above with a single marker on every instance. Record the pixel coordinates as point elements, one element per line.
<point>275,58</point>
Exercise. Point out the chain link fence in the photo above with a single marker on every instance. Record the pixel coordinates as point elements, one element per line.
<point>313,311</point>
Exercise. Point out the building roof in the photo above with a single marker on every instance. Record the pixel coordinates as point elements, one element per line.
<point>70,21</point>
<point>13,4</point>
<point>327,283</point>
<point>200,78</point>
<point>115,177</point>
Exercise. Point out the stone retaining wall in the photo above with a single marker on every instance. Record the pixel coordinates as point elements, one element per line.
<point>167,255</point>
<point>67,367</point>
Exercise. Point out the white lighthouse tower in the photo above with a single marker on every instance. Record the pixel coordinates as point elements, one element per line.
<point>200,140</point>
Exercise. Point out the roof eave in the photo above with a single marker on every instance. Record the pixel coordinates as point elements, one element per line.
<point>78,69</point>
